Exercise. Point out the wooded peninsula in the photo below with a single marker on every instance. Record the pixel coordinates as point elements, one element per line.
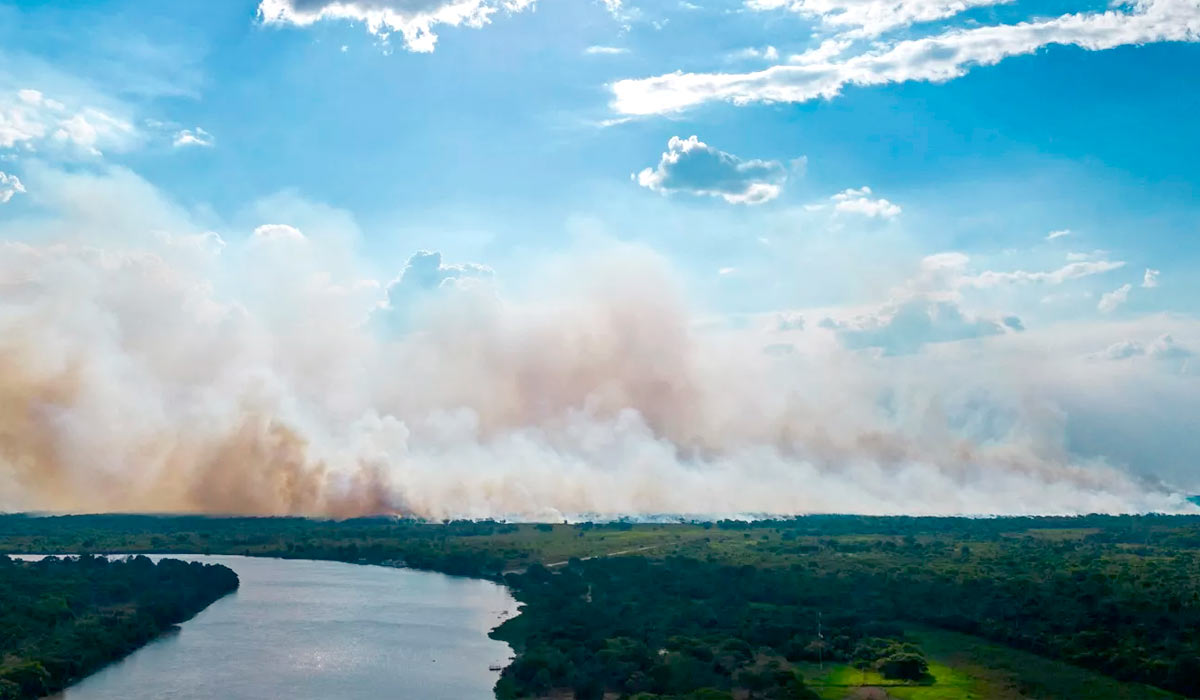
<point>62,618</point>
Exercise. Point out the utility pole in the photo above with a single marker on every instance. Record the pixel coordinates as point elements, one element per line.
<point>820,644</point>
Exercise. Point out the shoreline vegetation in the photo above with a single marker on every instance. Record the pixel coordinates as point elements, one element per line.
<point>63,618</point>
<point>808,607</point>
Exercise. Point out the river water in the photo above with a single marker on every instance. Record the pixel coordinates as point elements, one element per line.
<point>315,630</point>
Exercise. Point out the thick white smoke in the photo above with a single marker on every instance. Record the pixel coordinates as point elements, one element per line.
<point>144,369</point>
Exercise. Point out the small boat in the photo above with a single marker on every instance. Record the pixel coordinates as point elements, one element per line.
<point>495,667</point>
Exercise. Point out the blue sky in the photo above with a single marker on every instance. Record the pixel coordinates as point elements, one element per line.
<point>906,177</point>
<point>495,133</point>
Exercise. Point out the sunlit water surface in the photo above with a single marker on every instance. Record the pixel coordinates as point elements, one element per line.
<point>317,630</point>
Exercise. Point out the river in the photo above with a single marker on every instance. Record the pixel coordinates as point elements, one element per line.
<point>314,630</point>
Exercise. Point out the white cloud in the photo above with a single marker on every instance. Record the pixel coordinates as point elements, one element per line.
<point>1164,347</point>
<point>1124,350</point>
<point>859,202</point>
<point>1109,301</point>
<point>9,186</point>
<point>605,50</point>
<point>414,20</point>
<point>935,58</point>
<point>30,121</point>
<point>425,272</point>
<point>21,121</point>
<point>767,53</point>
<point>869,18</point>
<point>617,9</point>
<point>823,52</point>
<point>925,309</point>
<point>1058,234</point>
<point>425,281</point>
<point>193,137</point>
<point>692,166</point>
<point>903,328</point>
<point>278,232</point>
<point>1069,271</point>
<point>1150,278</point>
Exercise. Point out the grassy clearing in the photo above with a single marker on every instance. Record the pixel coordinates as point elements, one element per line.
<point>838,681</point>
<point>968,668</point>
<point>1021,674</point>
<point>559,543</point>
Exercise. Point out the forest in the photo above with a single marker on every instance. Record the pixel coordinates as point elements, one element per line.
<point>681,628</point>
<point>62,618</point>
<point>764,609</point>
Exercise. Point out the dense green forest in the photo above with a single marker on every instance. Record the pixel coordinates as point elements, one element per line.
<point>62,618</point>
<point>706,610</point>
<point>685,627</point>
<point>682,628</point>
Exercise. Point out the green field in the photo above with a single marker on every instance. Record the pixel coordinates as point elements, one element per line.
<point>838,681</point>
<point>969,668</point>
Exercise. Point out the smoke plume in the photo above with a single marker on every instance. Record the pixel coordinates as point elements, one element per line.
<point>180,372</point>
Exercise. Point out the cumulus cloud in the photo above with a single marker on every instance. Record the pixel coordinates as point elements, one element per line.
<point>859,201</point>
<point>1058,234</point>
<point>692,166</point>
<point>1124,350</point>
<point>1164,348</point>
<point>33,122</point>
<point>936,58</point>
<point>423,275</point>
<point>9,185</point>
<point>1150,279</point>
<point>869,18</point>
<point>904,328</point>
<point>926,309</point>
<point>414,20</point>
<point>1109,301</point>
<point>193,137</point>
<point>146,367</point>
<point>425,271</point>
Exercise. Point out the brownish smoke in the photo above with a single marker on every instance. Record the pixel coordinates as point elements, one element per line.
<point>27,443</point>
<point>260,467</point>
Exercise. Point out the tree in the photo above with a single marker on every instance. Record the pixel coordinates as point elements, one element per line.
<point>903,665</point>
